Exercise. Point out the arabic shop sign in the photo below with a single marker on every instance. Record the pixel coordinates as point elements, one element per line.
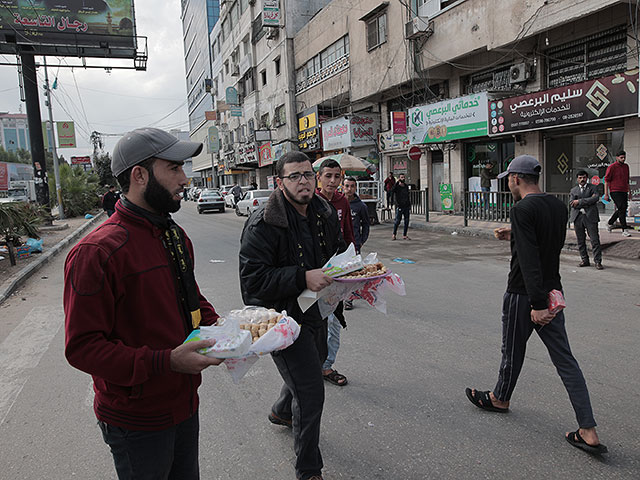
<point>280,149</point>
<point>69,22</point>
<point>247,153</point>
<point>350,131</point>
<point>265,154</point>
<point>463,117</point>
<point>605,98</point>
<point>388,141</point>
<point>66,135</point>
<point>213,143</point>
<point>270,13</point>
<point>308,130</point>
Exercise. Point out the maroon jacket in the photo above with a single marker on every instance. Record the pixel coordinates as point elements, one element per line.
<point>617,177</point>
<point>341,204</point>
<point>123,318</point>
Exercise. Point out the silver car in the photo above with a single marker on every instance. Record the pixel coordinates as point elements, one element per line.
<point>210,200</point>
<point>251,201</point>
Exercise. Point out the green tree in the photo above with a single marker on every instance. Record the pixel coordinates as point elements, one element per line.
<point>102,168</point>
<point>80,190</point>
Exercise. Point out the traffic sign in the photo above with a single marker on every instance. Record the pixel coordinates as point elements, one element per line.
<point>414,153</point>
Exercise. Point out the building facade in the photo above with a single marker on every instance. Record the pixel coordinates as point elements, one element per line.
<point>14,131</point>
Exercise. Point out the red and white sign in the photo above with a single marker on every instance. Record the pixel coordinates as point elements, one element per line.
<point>595,180</point>
<point>414,153</point>
<point>399,123</point>
<point>4,177</point>
<point>81,160</point>
<point>265,154</point>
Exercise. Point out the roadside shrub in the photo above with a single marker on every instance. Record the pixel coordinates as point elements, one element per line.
<point>80,191</point>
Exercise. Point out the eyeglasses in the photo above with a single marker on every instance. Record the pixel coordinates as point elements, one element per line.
<point>296,177</point>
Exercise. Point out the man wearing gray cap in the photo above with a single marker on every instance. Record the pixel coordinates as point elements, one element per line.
<point>537,234</point>
<point>130,300</point>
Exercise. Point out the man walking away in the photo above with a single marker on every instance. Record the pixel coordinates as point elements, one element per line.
<point>616,188</point>
<point>330,177</point>
<point>389,182</point>
<point>359,219</point>
<point>537,234</point>
<point>130,300</point>
<point>283,247</point>
<point>584,216</point>
<point>486,175</point>
<point>109,200</point>
<point>400,192</point>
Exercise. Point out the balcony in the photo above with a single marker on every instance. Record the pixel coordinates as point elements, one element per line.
<point>323,74</point>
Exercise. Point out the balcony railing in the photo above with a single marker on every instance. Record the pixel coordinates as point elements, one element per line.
<point>324,73</point>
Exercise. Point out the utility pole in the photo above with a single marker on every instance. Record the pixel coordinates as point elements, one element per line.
<point>56,167</point>
<point>35,128</point>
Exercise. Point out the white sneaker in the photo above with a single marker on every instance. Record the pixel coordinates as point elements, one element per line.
<point>625,233</point>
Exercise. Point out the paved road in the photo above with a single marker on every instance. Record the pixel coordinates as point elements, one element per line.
<point>402,416</point>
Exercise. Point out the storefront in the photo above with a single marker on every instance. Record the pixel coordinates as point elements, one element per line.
<point>498,152</point>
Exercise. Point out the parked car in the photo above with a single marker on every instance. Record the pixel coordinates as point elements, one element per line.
<point>225,189</point>
<point>230,200</point>
<point>193,193</point>
<point>210,200</point>
<point>251,201</point>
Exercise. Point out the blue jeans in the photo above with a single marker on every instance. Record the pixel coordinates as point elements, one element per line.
<point>333,341</point>
<point>165,454</point>
<point>402,212</point>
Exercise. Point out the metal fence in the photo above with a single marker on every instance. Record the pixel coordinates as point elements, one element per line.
<point>494,206</point>
<point>420,202</point>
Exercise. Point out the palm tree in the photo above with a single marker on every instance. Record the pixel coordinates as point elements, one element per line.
<point>16,219</point>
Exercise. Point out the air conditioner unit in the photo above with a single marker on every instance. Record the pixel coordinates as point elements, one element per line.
<point>273,33</point>
<point>519,73</point>
<point>417,27</point>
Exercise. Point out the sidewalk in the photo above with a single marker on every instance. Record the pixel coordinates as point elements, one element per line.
<point>17,278</point>
<point>613,244</point>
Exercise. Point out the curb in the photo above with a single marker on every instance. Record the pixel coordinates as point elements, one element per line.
<point>22,275</point>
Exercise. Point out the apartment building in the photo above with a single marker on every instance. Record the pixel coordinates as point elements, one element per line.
<point>557,80</point>
<point>198,20</point>
<point>14,131</point>
<point>252,77</point>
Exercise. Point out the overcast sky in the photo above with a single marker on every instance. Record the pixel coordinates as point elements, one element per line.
<point>124,99</point>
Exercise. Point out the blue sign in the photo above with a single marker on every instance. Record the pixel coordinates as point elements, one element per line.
<point>231,95</point>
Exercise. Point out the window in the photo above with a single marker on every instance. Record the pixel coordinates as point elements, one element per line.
<point>377,31</point>
<point>264,121</point>
<point>277,65</point>
<point>263,75</point>
<point>280,116</point>
<point>243,6</point>
<point>218,43</point>
<point>251,127</point>
<point>226,67</point>
<point>213,51</point>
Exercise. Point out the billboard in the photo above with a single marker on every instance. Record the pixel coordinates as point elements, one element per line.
<point>69,27</point>
<point>600,99</point>
<point>453,119</point>
<point>85,160</point>
<point>66,134</point>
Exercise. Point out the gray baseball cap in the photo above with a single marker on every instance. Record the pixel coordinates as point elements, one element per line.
<point>524,164</point>
<point>142,143</point>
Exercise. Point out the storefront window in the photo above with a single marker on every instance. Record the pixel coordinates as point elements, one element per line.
<point>477,154</point>
<point>592,152</point>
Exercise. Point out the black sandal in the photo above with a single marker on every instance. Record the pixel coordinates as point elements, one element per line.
<point>577,441</point>
<point>335,378</point>
<point>483,400</point>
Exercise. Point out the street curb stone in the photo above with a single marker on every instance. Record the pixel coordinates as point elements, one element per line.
<point>10,286</point>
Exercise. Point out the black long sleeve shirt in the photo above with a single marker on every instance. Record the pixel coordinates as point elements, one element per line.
<point>538,231</point>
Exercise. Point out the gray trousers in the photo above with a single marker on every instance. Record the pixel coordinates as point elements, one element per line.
<point>517,327</point>
<point>584,227</point>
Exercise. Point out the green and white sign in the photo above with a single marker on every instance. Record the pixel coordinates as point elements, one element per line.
<point>446,196</point>
<point>463,117</point>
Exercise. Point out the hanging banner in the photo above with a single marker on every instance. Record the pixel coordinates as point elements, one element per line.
<point>399,123</point>
<point>601,99</point>
<point>463,117</point>
<point>308,130</point>
<point>270,13</point>
<point>66,134</point>
<point>231,96</point>
<point>214,140</point>
<point>265,154</point>
<point>446,196</point>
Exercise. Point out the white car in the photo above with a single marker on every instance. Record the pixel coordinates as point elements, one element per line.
<point>230,199</point>
<point>251,201</point>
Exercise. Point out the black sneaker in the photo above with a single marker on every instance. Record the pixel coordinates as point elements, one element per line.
<point>599,266</point>
<point>584,263</point>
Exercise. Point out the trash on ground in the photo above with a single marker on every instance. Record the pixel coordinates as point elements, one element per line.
<point>35,246</point>
<point>23,251</point>
<point>454,233</point>
<point>216,261</point>
<point>88,216</point>
<point>402,260</point>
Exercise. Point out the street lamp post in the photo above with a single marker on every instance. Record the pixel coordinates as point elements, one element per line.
<point>56,168</point>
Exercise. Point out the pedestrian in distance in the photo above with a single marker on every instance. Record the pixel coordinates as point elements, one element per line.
<point>537,234</point>
<point>584,216</point>
<point>109,200</point>
<point>330,177</point>
<point>400,192</point>
<point>236,191</point>
<point>359,219</point>
<point>283,247</point>
<point>389,182</point>
<point>486,175</point>
<point>130,300</point>
<point>616,188</point>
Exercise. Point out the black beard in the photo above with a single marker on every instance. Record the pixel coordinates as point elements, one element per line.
<point>291,198</point>
<point>159,198</point>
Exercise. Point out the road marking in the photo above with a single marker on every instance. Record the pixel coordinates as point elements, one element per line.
<point>21,351</point>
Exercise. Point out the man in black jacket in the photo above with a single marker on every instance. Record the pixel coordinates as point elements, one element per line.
<point>282,249</point>
<point>109,200</point>
<point>537,234</point>
<point>400,192</point>
<point>584,216</point>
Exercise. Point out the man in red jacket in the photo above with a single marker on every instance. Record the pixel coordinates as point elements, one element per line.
<point>330,177</point>
<point>130,300</point>
<point>616,188</point>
